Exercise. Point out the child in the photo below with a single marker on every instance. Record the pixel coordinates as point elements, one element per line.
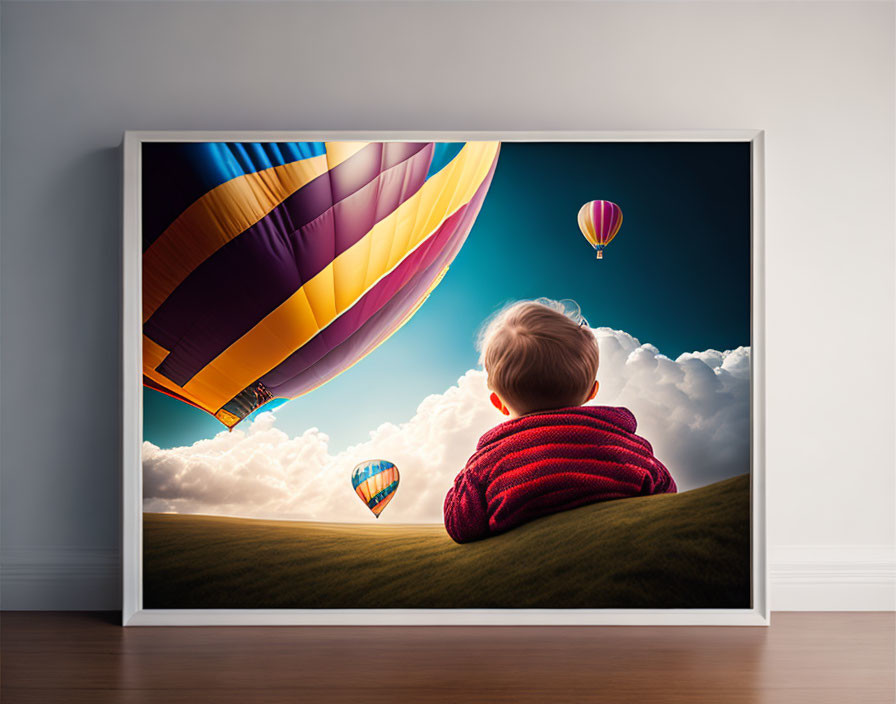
<point>554,453</point>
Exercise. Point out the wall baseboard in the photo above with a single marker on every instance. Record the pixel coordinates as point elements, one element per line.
<point>832,578</point>
<point>801,578</point>
<point>60,579</point>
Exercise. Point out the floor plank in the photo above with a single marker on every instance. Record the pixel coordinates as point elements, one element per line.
<point>803,657</point>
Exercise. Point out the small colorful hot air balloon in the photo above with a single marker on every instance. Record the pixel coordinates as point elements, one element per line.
<point>599,221</point>
<point>376,482</point>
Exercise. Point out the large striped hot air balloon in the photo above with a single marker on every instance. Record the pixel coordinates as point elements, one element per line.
<point>270,268</point>
<point>375,482</point>
<point>599,221</point>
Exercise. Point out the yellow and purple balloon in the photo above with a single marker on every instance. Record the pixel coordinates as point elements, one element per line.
<point>599,221</point>
<point>292,261</point>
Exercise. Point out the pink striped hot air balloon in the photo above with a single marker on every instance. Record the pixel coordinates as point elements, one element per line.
<point>599,221</point>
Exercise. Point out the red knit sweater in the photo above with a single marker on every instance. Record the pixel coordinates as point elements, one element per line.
<point>551,461</point>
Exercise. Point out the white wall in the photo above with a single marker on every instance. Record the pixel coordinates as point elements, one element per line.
<point>818,77</point>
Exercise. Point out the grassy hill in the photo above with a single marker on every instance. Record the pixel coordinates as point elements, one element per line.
<point>688,550</point>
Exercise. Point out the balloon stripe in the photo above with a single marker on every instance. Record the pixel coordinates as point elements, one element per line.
<point>385,502</point>
<point>226,212</point>
<point>294,242</point>
<point>363,492</point>
<point>292,324</point>
<point>338,152</point>
<point>391,298</point>
<point>382,495</point>
<point>592,230</point>
<point>583,224</point>
<point>177,174</point>
<point>153,353</point>
<point>595,218</point>
<point>616,222</point>
<point>215,219</point>
<point>341,357</point>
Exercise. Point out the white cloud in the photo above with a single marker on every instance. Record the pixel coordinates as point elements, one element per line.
<point>694,411</point>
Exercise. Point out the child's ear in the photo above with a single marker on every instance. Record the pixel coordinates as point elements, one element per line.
<point>594,390</point>
<point>499,404</point>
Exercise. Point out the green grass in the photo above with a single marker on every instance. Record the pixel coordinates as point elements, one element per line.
<point>688,550</point>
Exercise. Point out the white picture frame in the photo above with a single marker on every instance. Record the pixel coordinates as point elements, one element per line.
<point>133,613</point>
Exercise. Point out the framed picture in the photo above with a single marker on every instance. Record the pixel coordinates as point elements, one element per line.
<point>443,378</point>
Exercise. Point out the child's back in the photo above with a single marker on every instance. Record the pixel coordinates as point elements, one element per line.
<point>551,461</point>
<point>554,453</point>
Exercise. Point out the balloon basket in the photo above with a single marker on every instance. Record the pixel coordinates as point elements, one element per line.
<point>600,254</point>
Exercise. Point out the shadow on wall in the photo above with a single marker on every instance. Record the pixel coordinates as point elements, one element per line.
<point>61,430</point>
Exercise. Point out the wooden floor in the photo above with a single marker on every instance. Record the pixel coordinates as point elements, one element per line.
<point>804,657</point>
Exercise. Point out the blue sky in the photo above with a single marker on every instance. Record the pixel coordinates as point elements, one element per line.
<point>677,275</point>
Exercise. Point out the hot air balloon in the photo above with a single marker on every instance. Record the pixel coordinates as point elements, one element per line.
<point>375,482</point>
<point>270,268</point>
<point>599,221</point>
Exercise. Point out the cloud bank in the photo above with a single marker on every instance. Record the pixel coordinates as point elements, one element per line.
<point>694,410</point>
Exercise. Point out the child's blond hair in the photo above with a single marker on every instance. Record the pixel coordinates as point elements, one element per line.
<point>539,355</point>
